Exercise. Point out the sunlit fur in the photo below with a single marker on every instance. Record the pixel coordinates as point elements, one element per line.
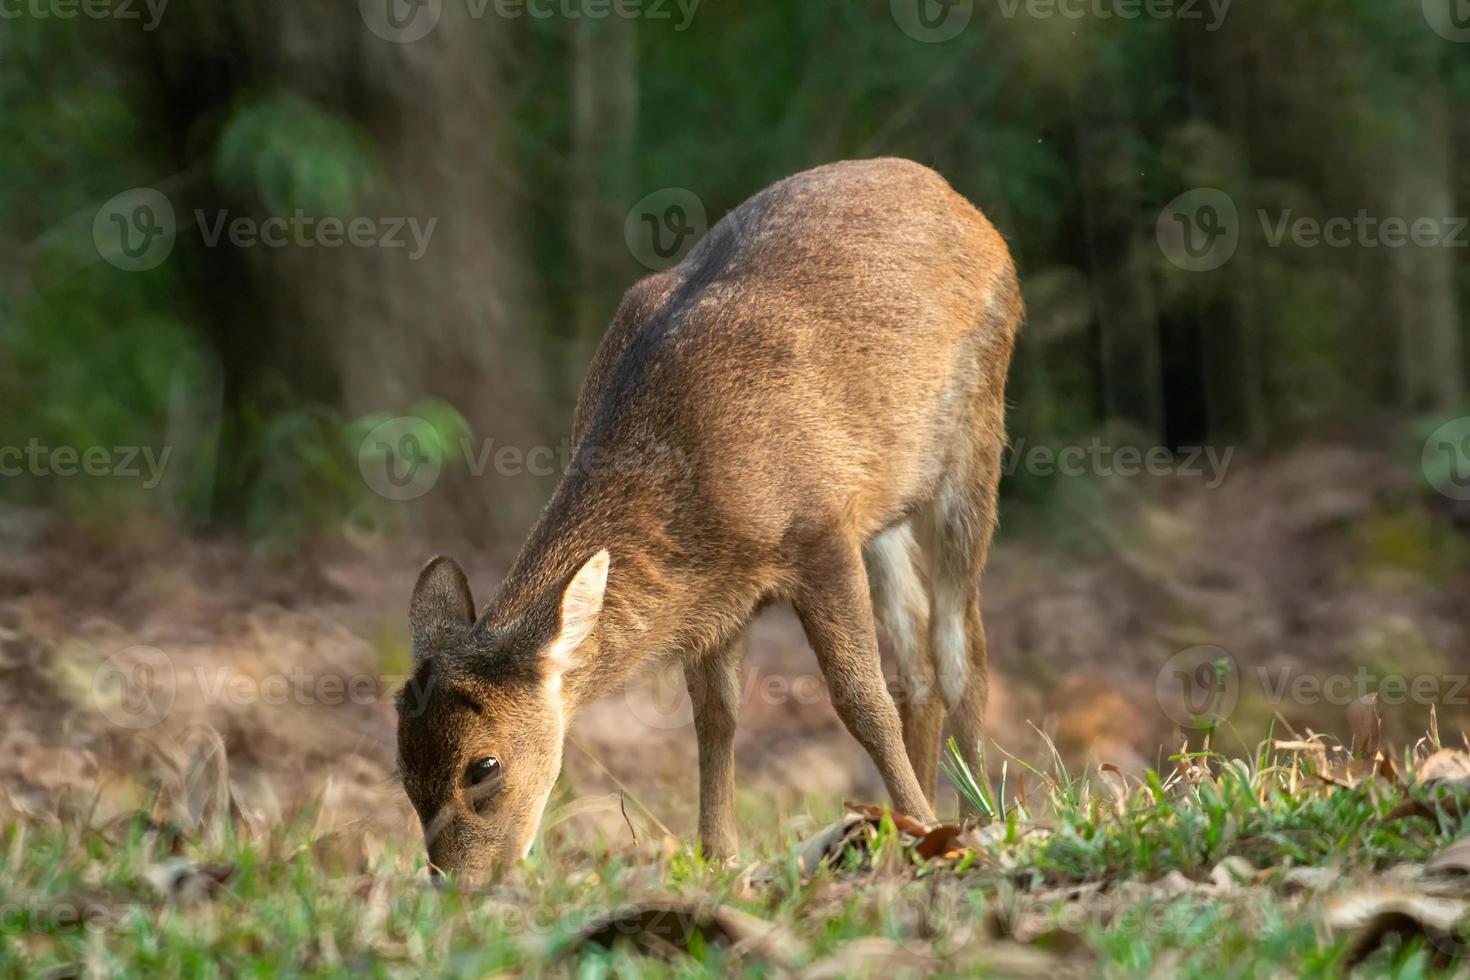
<point>827,365</point>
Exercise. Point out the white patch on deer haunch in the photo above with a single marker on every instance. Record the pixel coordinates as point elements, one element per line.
<point>898,590</point>
<point>951,650</point>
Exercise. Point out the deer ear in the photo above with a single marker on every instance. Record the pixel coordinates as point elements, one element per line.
<point>581,605</point>
<point>442,605</point>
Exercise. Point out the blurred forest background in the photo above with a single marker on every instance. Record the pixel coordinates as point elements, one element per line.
<point>532,141</point>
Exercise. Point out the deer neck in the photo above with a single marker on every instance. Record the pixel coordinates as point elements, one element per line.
<point>645,589</point>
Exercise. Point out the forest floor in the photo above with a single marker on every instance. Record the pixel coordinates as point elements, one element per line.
<point>245,806</point>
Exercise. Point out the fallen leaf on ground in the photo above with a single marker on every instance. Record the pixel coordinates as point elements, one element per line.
<point>1367,726</point>
<point>1452,861</point>
<point>668,928</point>
<point>904,823</point>
<point>1447,767</point>
<point>946,840</point>
<point>185,883</point>
<point>1376,914</point>
<point>828,844</point>
<point>872,957</point>
<point>1231,873</point>
<point>1308,879</point>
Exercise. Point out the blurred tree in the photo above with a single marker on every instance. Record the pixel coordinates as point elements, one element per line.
<point>297,109</point>
<point>604,142</point>
<point>526,140</point>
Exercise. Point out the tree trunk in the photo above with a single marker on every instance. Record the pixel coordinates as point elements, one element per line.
<point>1121,267</point>
<point>376,329</point>
<point>1422,289</point>
<point>604,136</point>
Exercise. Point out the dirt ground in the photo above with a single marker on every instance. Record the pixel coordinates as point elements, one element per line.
<point>201,671</point>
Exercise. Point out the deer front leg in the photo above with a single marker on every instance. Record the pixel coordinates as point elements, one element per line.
<point>837,613</point>
<point>714,682</point>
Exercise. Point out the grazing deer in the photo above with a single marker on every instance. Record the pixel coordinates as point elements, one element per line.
<point>826,371</point>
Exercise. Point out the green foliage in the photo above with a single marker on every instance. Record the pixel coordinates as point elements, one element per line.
<point>289,154</point>
<point>308,474</point>
<point>1071,134</point>
<point>1124,885</point>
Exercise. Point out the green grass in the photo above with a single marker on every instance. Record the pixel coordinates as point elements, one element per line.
<point>1081,879</point>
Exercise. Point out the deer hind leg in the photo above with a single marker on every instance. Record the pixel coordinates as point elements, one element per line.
<point>901,605</point>
<point>833,604</point>
<point>714,683</point>
<point>955,530</point>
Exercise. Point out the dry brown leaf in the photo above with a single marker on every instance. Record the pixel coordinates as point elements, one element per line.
<point>1231,873</point>
<point>166,836</point>
<point>1413,808</point>
<point>831,841</point>
<point>1300,745</point>
<point>904,823</point>
<point>871,957</point>
<point>1366,725</point>
<point>1452,861</point>
<point>1447,766</point>
<point>859,827</point>
<point>1389,771</point>
<point>341,852</point>
<point>1374,915</point>
<point>1308,879</point>
<point>1112,777</point>
<point>667,928</point>
<point>1347,775</point>
<point>947,840</point>
<point>185,883</point>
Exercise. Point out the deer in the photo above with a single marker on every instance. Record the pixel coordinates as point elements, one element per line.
<point>807,409</point>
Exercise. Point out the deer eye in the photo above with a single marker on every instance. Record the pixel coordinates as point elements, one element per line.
<point>482,770</point>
